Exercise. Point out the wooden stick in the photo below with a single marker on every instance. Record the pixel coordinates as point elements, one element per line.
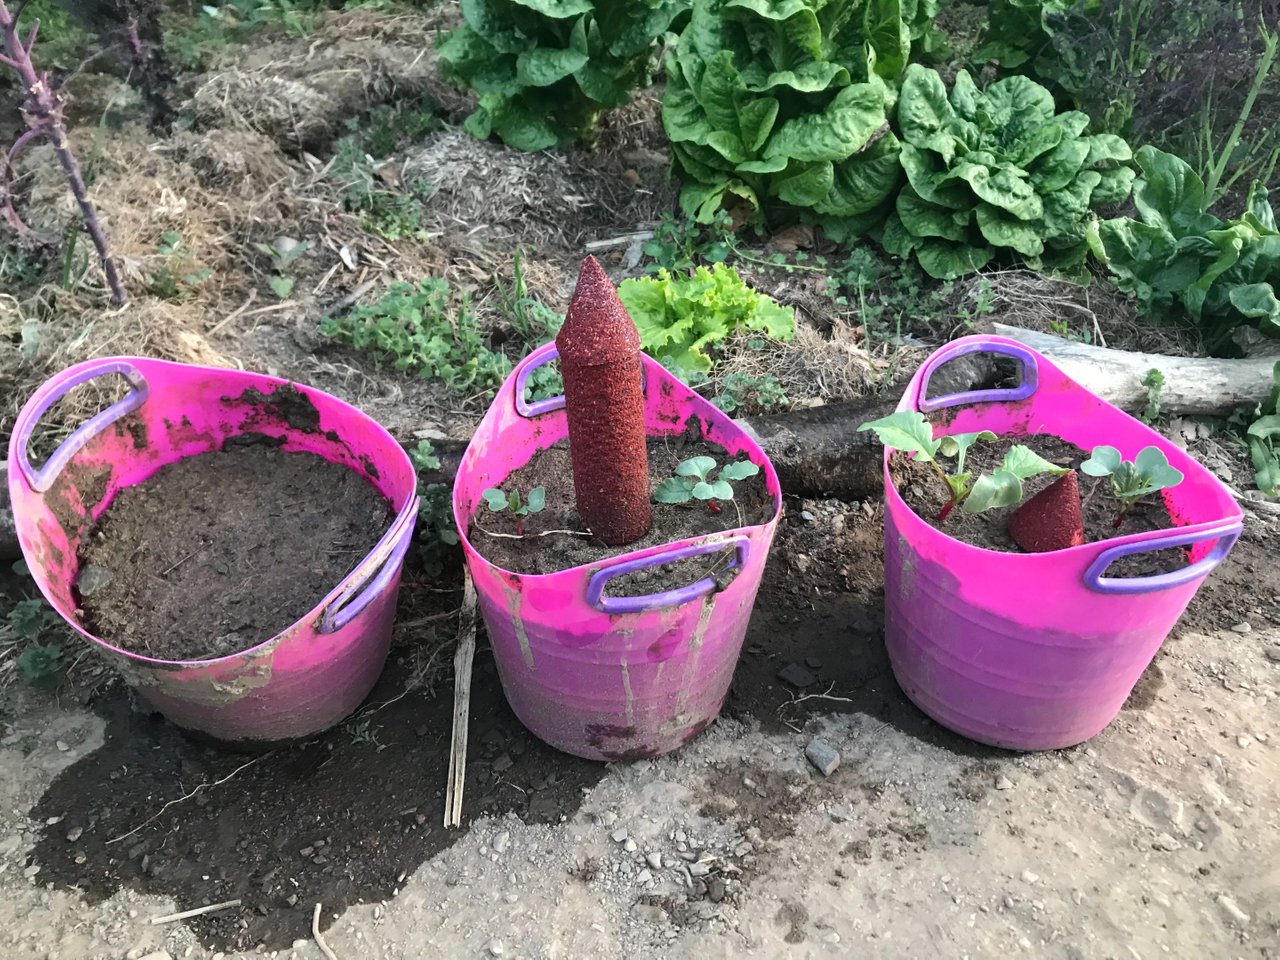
<point>461,704</point>
<point>319,939</point>
<point>1192,385</point>
<point>592,246</point>
<point>197,912</point>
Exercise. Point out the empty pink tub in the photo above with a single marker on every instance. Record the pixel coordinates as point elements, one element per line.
<point>293,685</point>
<point>1038,651</point>
<point>611,678</point>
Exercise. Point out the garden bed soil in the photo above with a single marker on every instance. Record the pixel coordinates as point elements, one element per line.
<point>498,535</point>
<point>920,487</point>
<point>219,552</point>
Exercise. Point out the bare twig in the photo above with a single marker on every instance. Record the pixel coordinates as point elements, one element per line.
<point>461,704</point>
<point>349,299</point>
<point>527,536</point>
<point>819,696</point>
<point>319,938</point>
<point>197,912</point>
<point>156,816</point>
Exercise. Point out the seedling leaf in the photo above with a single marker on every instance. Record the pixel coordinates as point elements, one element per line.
<point>705,491</point>
<point>696,467</point>
<point>957,445</point>
<point>1023,462</point>
<point>674,490</point>
<point>537,499</point>
<point>495,498</point>
<point>739,471</point>
<point>906,430</point>
<point>1103,462</point>
<point>999,489</point>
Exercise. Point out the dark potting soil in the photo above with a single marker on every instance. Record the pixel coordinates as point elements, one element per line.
<point>923,492</point>
<point>219,552</point>
<point>518,546</point>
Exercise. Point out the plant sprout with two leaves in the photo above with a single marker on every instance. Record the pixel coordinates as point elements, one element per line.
<point>1131,480</point>
<point>698,479</point>
<point>910,432</point>
<point>519,507</point>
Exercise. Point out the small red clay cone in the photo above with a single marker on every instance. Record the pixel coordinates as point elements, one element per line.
<point>600,362</point>
<point>1051,520</point>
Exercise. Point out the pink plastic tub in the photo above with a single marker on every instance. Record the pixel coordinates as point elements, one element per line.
<point>611,678</point>
<point>1038,651</point>
<point>297,683</point>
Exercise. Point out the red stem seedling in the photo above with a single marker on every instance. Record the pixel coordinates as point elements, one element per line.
<point>42,110</point>
<point>604,399</point>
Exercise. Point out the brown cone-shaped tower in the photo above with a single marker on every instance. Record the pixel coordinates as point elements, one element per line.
<point>600,362</point>
<point>1051,520</point>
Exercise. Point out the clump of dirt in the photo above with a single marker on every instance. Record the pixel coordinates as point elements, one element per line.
<point>219,552</point>
<point>517,544</point>
<point>923,492</point>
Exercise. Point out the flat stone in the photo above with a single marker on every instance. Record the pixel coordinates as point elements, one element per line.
<point>823,756</point>
<point>797,675</point>
<point>1003,783</point>
<point>619,835</point>
<point>629,845</point>
<point>654,860</point>
<point>1242,628</point>
<point>1233,909</point>
<point>1273,652</point>
<point>496,949</point>
<point>501,841</point>
<point>644,876</point>
<point>1166,842</point>
<point>158,955</point>
<point>92,579</point>
<point>1029,877</point>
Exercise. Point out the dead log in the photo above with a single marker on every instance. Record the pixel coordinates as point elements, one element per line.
<point>1192,385</point>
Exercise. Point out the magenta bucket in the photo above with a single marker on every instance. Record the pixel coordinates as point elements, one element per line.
<point>1038,651</point>
<point>298,683</point>
<point>598,676</point>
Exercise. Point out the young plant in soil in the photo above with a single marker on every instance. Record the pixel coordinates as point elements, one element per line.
<point>702,478</point>
<point>520,508</point>
<point>42,110</point>
<point>910,432</point>
<point>1131,480</point>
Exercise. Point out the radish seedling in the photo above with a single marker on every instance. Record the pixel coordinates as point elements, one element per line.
<point>520,508</point>
<point>697,479</point>
<point>1131,480</point>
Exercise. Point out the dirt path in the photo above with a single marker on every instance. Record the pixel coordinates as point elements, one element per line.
<point>1159,837</point>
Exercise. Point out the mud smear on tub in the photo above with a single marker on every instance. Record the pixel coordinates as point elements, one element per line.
<point>339,820</point>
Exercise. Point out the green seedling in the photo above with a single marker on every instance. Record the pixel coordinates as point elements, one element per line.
<point>1131,480</point>
<point>519,507</point>
<point>910,432</point>
<point>283,254</point>
<point>40,662</point>
<point>699,479</point>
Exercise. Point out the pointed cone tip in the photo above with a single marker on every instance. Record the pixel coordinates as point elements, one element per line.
<point>597,328</point>
<point>1052,519</point>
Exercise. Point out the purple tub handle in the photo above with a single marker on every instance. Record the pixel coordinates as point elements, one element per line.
<point>539,358</point>
<point>42,479</point>
<point>668,598</point>
<point>1225,534</point>
<point>1026,359</point>
<point>395,544</point>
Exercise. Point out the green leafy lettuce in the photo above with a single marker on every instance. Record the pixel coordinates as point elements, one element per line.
<point>1222,273</point>
<point>773,105</point>
<point>997,171</point>
<point>681,315</point>
<point>544,70</point>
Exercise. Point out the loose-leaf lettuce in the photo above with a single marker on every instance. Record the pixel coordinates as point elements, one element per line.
<point>995,172</point>
<point>681,316</point>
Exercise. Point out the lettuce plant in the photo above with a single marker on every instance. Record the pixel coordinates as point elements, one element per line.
<point>1222,273</point>
<point>544,70</point>
<point>779,104</point>
<point>681,316</point>
<point>910,432</point>
<point>996,171</point>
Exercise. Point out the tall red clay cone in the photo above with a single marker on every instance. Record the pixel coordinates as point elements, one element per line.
<point>600,362</point>
<point>1051,520</point>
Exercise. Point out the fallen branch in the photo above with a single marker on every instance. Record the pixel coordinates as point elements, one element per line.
<point>318,937</point>
<point>1192,385</point>
<point>197,912</point>
<point>461,705</point>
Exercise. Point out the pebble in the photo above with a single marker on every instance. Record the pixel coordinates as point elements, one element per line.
<point>92,579</point>
<point>823,756</point>
<point>158,955</point>
<point>1244,627</point>
<point>831,937</point>
<point>31,871</point>
<point>496,949</point>
<point>699,869</point>
<point>806,516</point>
<point>644,876</point>
<point>619,835</point>
<point>681,836</point>
<point>1030,877</point>
<point>797,675</point>
<point>715,889</point>
<point>61,745</point>
<point>1167,843</point>
<point>629,845</point>
<point>501,841</point>
<point>1273,652</point>
<point>1003,783</point>
<point>1233,909</point>
<point>654,860</point>
<point>74,834</point>
<point>1244,741</point>
<point>306,851</point>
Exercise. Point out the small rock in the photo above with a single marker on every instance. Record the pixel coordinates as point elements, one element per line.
<point>831,937</point>
<point>74,834</point>
<point>681,836</point>
<point>496,949</point>
<point>62,746</point>
<point>92,579</point>
<point>619,835</point>
<point>715,889</point>
<point>629,845</point>
<point>501,841</point>
<point>503,762</point>
<point>306,851</point>
<point>798,676</point>
<point>1244,741</point>
<point>1244,627</point>
<point>644,876</point>
<point>1166,842</point>
<point>1029,877</point>
<point>806,516</point>
<point>654,860</point>
<point>1233,909</point>
<point>1003,783</point>
<point>31,871</point>
<point>823,756</point>
<point>699,869</point>
<point>1273,652</point>
<point>813,663</point>
<point>158,955</point>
